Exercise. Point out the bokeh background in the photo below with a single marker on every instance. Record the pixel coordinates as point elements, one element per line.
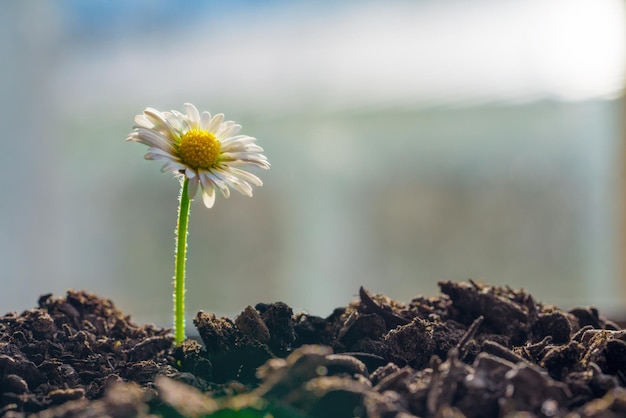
<point>410,142</point>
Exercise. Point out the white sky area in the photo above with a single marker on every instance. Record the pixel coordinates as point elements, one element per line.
<point>372,54</point>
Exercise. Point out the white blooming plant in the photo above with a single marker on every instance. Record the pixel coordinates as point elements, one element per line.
<point>206,153</point>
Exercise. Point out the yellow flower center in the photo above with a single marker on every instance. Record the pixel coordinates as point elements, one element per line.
<point>199,149</point>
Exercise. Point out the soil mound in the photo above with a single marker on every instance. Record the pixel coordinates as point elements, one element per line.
<point>473,351</point>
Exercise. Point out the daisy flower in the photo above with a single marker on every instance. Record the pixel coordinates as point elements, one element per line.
<point>206,152</point>
<point>203,147</point>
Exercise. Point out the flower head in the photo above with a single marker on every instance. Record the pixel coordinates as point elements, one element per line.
<point>203,148</point>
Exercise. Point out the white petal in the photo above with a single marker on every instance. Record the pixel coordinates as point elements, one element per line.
<point>153,139</point>
<point>159,155</point>
<point>177,121</point>
<point>172,166</point>
<point>240,163</point>
<point>253,148</point>
<point>238,184</point>
<point>205,120</point>
<point>216,121</point>
<point>159,152</point>
<point>193,115</point>
<point>227,129</point>
<point>243,156</point>
<point>156,118</point>
<point>223,174</point>
<point>237,140</point>
<point>208,196</point>
<point>218,181</point>
<point>243,188</point>
<point>160,122</point>
<point>246,176</point>
<point>143,121</point>
<point>181,121</point>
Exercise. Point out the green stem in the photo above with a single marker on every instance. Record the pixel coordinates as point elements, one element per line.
<point>181,257</point>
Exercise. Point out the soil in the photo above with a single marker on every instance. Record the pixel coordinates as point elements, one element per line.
<point>473,351</point>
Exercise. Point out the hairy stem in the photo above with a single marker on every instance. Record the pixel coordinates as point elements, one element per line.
<point>181,258</point>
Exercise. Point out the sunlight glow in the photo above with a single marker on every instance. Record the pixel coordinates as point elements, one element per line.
<point>581,50</point>
<point>365,54</point>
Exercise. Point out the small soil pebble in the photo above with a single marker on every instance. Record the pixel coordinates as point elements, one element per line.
<point>474,351</point>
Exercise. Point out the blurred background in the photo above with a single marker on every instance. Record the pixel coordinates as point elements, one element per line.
<point>410,142</point>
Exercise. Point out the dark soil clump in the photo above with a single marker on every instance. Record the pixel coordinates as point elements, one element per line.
<point>474,351</point>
